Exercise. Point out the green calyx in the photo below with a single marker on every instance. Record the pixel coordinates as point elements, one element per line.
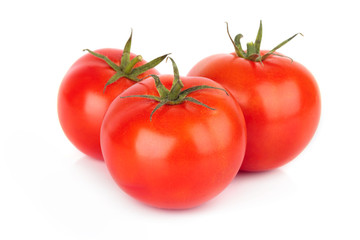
<point>175,95</point>
<point>127,67</point>
<point>252,52</point>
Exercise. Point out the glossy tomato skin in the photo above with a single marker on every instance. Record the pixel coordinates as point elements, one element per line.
<point>280,101</point>
<point>82,103</point>
<point>184,156</point>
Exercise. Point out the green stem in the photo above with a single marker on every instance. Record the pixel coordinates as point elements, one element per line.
<point>175,95</point>
<point>236,43</point>
<point>132,63</point>
<point>127,68</point>
<point>177,84</point>
<point>253,49</point>
<point>105,58</point>
<point>279,46</point>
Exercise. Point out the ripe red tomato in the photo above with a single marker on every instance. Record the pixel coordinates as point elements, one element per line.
<point>185,155</point>
<point>83,100</point>
<point>280,100</point>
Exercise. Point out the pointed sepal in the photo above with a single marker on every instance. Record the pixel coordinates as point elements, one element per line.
<point>127,67</point>
<point>253,49</point>
<point>174,96</point>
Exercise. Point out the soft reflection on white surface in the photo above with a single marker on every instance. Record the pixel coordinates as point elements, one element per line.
<point>254,188</point>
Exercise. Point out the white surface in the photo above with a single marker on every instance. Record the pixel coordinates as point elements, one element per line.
<point>49,190</point>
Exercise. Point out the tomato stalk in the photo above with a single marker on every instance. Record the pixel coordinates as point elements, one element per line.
<point>175,95</point>
<point>252,52</point>
<point>126,68</point>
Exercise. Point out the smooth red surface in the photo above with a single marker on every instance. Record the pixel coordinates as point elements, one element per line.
<point>185,156</point>
<point>82,103</point>
<point>280,101</point>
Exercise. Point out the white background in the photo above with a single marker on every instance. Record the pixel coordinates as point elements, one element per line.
<point>49,190</point>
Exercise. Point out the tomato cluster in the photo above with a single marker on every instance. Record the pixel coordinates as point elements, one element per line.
<point>175,141</point>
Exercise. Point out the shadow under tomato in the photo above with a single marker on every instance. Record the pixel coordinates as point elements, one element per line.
<point>247,188</point>
<point>93,169</point>
<point>256,188</point>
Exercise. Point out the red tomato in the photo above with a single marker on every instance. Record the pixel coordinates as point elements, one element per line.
<point>280,100</point>
<point>185,155</point>
<point>82,101</point>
